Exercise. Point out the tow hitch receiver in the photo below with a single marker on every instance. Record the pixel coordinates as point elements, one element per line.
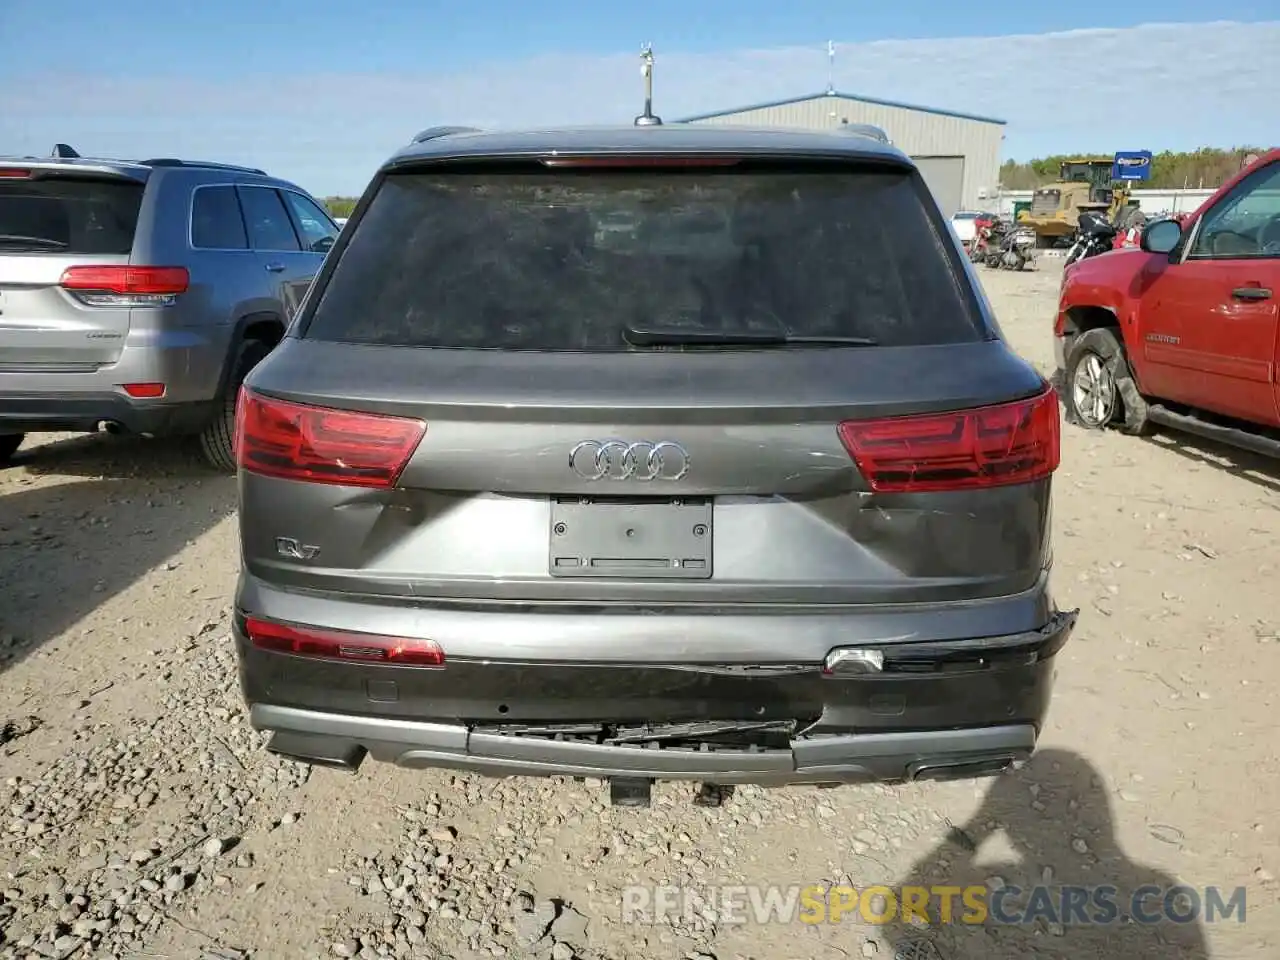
<point>630,791</point>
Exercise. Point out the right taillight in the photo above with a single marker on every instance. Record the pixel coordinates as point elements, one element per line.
<point>960,450</point>
<point>295,441</point>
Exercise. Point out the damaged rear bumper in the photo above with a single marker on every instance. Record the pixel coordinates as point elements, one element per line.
<point>911,710</point>
<point>335,740</point>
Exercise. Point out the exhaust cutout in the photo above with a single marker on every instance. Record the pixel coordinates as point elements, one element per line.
<point>961,770</point>
<point>317,751</point>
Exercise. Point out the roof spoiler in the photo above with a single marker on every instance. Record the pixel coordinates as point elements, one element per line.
<point>435,133</point>
<point>865,130</point>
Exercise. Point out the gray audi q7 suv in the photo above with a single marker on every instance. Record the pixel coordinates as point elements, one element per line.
<point>648,453</point>
<point>138,294</point>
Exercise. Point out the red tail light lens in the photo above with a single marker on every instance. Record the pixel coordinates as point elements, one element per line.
<point>9,173</point>
<point>342,645</point>
<point>144,391</point>
<point>125,286</point>
<point>316,444</point>
<point>964,450</point>
<point>126,279</point>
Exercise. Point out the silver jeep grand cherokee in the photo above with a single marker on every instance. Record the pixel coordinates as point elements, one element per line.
<point>138,295</point>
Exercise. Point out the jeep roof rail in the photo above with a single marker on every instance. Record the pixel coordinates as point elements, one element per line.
<point>434,133</point>
<point>202,164</point>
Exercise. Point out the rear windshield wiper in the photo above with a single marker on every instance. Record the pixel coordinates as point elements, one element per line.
<point>668,336</point>
<point>21,241</point>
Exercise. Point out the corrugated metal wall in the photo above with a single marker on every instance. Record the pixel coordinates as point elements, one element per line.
<point>914,132</point>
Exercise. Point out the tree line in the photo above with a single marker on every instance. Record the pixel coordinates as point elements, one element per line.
<point>1206,168</point>
<point>340,206</point>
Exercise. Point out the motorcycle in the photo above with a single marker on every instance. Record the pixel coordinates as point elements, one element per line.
<point>1011,247</point>
<point>1094,235</point>
<point>1019,249</point>
<point>981,241</point>
<point>993,241</point>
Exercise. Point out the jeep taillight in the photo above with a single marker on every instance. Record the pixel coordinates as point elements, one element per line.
<point>125,286</point>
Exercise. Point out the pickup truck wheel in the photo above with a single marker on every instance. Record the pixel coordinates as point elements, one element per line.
<point>217,438</point>
<point>1100,389</point>
<point>1093,391</point>
<point>9,444</point>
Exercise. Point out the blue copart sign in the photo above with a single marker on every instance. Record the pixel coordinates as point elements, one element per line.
<point>1131,165</point>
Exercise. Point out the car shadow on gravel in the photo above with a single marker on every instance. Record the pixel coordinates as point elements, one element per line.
<point>104,455</point>
<point>1056,818</point>
<point>1257,469</point>
<point>68,546</point>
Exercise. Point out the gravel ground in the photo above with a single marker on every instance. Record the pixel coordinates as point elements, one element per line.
<point>140,816</point>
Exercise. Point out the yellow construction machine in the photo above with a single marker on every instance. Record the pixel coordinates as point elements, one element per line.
<point>1082,184</point>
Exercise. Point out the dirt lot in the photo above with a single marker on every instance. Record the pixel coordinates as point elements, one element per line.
<point>139,817</point>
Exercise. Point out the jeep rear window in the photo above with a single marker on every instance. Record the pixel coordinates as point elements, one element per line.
<point>564,260</point>
<point>65,215</point>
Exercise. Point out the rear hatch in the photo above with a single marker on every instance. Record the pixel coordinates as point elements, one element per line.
<point>60,224</point>
<point>735,383</point>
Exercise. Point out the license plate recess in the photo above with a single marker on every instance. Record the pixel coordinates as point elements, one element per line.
<point>659,539</point>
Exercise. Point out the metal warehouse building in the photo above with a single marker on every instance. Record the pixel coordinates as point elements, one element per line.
<point>958,154</point>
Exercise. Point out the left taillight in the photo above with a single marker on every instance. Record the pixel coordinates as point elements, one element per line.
<point>293,441</point>
<point>323,644</point>
<point>125,286</point>
<point>983,447</point>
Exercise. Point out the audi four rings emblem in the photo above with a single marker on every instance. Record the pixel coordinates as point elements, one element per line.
<point>619,460</point>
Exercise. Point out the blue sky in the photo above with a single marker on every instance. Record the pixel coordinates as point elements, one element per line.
<point>322,91</point>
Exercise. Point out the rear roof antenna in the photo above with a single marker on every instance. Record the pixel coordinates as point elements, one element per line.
<point>63,152</point>
<point>647,119</point>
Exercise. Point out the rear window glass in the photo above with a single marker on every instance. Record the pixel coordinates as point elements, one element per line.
<point>68,216</point>
<point>568,260</point>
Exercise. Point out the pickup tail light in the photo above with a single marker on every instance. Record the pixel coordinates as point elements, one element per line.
<point>323,644</point>
<point>971,449</point>
<point>293,441</point>
<point>125,286</point>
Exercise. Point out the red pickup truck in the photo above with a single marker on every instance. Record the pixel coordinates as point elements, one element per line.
<point>1183,331</point>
